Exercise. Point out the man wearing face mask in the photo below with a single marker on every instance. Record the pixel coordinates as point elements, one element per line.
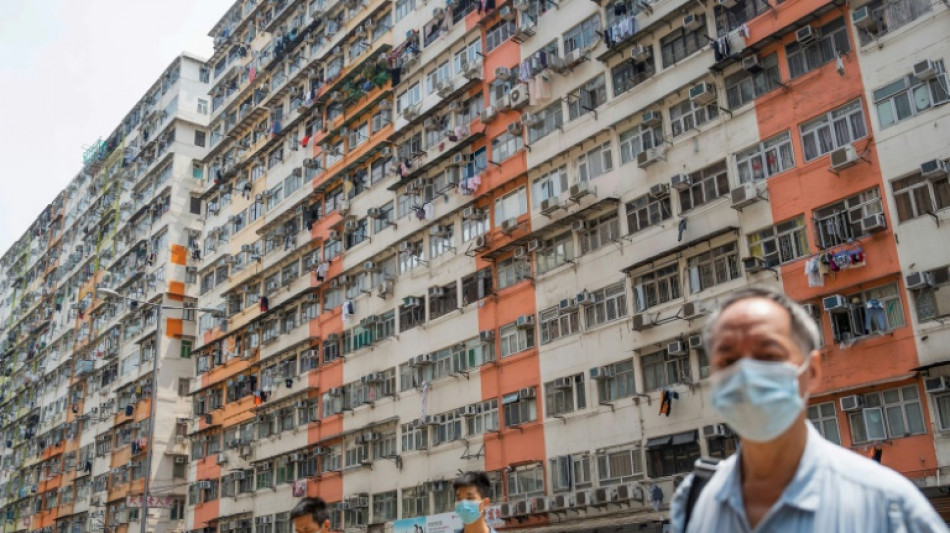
<point>310,515</point>
<point>471,500</point>
<point>785,477</point>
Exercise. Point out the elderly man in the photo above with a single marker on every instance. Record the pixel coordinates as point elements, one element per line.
<point>785,477</point>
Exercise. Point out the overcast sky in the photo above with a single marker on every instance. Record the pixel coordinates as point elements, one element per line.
<point>70,71</point>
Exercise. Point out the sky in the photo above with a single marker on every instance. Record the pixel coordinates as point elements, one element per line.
<point>71,70</point>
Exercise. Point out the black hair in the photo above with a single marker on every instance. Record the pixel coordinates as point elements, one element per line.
<point>477,479</point>
<point>316,508</point>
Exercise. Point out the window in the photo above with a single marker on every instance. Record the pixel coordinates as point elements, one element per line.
<point>202,107</point>
<point>744,87</point>
<point>414,438</point>
<point>647,211</point>
<point>199,138</point>
<point>608,304</point>
<point>552,118</point>
<point>662,369</point>
<point>595,162</point>
<point>718,265</point>
<point>616,381</point>
<point>385,218</point>
<point>705,186</point>
<point>511,205</point>
<point>840,222</point>
<point>917,196</point>
<point>671,455</point>
<point>549,185</point>
<point>583,35</point>
<point>357,235</point>
<point>689,115</point>
<point>411,315</point>
<point>629,74</point>
<point>476,286</point>
<point>889,414</point>
<point>499,33</point>
<point>568,472</point>
<point>910,96</point>
<point>722,446</point>
<point>832,42</point>
<point>599,233</point>
<point>890,15</point>
<point>780,243</point>
<point>444,301</point>
<point>384,507</point>
<point>619,466</point>
<point>833,130</point>
<point>485,419</point>
<point>403,8</point>
<point>513,270</point>
<point>558,323</point>
<point>409,97</point>
<point>555,252</point>
<point>766,159</point>
<point>565,395</point>
<point>681,43</point>
<point>415,501</point>
<point>515,339</point>
<point>942,402</point>
<point>929,302</point>
<point>657,287</point>
<point>520,408</point>
<point>638,139</point>
<point>587,97</point>
<point>505,146</point>
<point>825,420</point>
<point>875,310</point>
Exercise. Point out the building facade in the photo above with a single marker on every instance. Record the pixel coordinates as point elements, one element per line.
<point>77,366</point>
<point>480,236</point>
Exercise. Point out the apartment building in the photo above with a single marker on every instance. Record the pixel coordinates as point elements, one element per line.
<point>77,387</point>
<point>490,190</point>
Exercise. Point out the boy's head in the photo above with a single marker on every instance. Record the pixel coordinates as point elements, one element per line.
<point>472,492</point>
<point>310,515</point>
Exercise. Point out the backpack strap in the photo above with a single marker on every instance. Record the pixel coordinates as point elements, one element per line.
<point>703,471</point>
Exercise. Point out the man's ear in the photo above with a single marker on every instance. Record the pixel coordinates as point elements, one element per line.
<point>326,526</point>
<point>814,371</point>
<point>485,503</point>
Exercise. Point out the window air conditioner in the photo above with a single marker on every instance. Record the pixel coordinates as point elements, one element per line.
<point>676,348</point>
<point>680,182</point>
<point>744,195</point>
<point>926,70</point>
<point>935,169</point>
<point>916,281</point>
<point>703,93</point>
<point>806,35</point>
<point>844,157</point>
<point>936,384</point>
<point>853,402</point>
<point>835,302</point>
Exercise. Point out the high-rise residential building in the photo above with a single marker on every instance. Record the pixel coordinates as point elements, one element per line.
<point>77,388</point>
<point>483,236</point>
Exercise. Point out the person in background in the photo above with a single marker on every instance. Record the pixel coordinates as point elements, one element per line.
<point>785,477</point>
<point>471,500</point>
<point>310,515</point>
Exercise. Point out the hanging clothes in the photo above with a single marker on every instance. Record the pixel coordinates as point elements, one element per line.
<point>428,210</point>
<point>322,269</point>
<point>681,230</point>
<point>305,141</point>
<point>666,403</point>
<point>876,453</point>
<point>265,304</point>
<point>347,311</point>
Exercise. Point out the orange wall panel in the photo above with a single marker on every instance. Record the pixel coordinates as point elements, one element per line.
<point>179,255</point>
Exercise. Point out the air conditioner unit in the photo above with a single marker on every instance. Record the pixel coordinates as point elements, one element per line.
<point>640,53</point>
<point>487,335</point>
<point>386,151</point>
<point>716,430</point>
<point>525,322</point>
<point>676,348</point>
<point>751,64</point>
<point>180,459</point>
<point>333,235</point>
<point>641,322</point>
<point>550,205</point>
<point>753,264</point>
<point>520,252</point>
<point>651,118</point>
<point>703,93</point>
<point>561,501</point>
<point>437,292</point>
<point>864,19</point>
<point>488,114</point>
<point>481,242</point>
<point>600,373</point>
<point>506,13</point>
<point>222,458</point>
<point>468,411</point>
<point>693,309</point>
<point>580,190</point>
<point>514,128</point>
<point>853,402</point>
<point>695,342</point>
<point>411,302</point>
<point>509,225</point>
<point>806,35</point>
<point>582,498</point>
<point>692,22</point>
<point>935,169</point>
<point>811,309</point>
<point>506,510</point>
<point>563,383</point>
<point>526,393</point>
<point>531,119</point>
<point>584,298</point>
<point>744,195</point>
<point>659,190</point>
<point>926,70</point>
<point>351,225</point>
<point>936,384</point>
<point>680,182</point>
<point>518,96</point>
<point>648,157</point>
<point>411,112</point>
<point>460,160</point>
<point>873,223</point>
<point>844,157</point>
<point>539,505</point>
<point>916,281</point>
<point>503,73</point>
<point>473,71</point>
<point>835,302</point>
<point>503,103</point>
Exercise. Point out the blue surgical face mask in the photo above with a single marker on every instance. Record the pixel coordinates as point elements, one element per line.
<point>758,399</point>
<point>468,511</point>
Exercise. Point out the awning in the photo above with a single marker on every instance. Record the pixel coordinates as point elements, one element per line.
<point>635,522</point>
<point>686,437</point>
<point>657,442</point>
<point>885,381</point>
<point>921,368</point>
<point>680,248</point>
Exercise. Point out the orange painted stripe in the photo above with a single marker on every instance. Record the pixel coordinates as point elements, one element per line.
<point>173,328</point>
<point>179,254</point>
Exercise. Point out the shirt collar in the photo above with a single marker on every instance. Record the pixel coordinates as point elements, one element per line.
<point>802,492</point>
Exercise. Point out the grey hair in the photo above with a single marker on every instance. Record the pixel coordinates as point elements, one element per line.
<point>804,329</point>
